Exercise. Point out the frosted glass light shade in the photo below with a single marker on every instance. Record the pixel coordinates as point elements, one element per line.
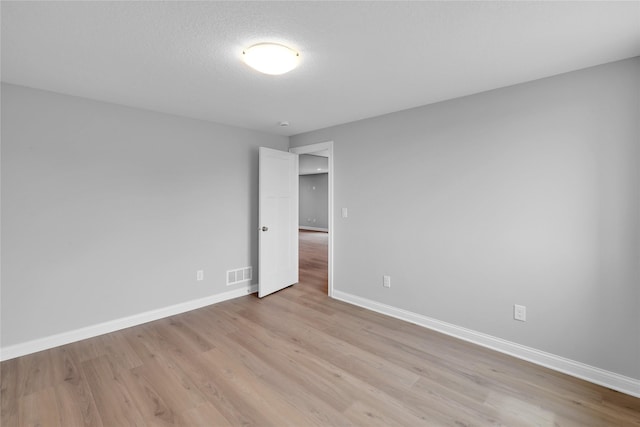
<point>271,58</point>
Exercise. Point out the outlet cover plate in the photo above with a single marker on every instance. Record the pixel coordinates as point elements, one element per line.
<point>520,312</point>
<point>386,281</point>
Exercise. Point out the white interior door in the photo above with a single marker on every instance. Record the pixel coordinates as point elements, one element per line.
<point>278,221</point>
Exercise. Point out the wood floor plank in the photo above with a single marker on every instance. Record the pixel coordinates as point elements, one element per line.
<point>113,399</point>
<point>35,373</point>
<point>415,361</point>
<point>362,414</point>
<point>76,405</point>
<point>228,400</point>
<point>297,358</point>
<point>280,373</point>
<point>265,399</point>
<point>39,409</point>
<point>204,415</point>
<point>352,386</point>
<point>171,383</point>
<point>9,392</point>
<point>208,320</point>
<point>181,336</point>
<point>152,405</point>
<point>306,372</point>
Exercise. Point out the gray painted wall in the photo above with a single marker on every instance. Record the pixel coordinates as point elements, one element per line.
<point>108,211</point>
<point>524,195</point>
<point>314,200</point>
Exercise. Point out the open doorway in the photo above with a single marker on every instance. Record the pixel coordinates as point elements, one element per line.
<point>315,216</point>
<point>313,227</point>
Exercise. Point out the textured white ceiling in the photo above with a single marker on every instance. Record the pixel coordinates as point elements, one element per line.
<point>359,59</point>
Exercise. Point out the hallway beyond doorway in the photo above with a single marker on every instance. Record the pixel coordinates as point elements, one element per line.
<point>313,250</point>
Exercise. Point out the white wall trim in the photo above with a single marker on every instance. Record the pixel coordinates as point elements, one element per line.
<point>580,370</point>
<point>305,227</point>
<point>63,338</point>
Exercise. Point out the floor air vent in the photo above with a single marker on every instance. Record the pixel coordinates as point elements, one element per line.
<point>239,275</point>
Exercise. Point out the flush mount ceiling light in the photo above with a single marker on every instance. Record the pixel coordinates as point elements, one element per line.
<point>271,58</point>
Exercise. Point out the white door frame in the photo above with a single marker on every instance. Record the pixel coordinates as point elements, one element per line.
<point>309,149</point>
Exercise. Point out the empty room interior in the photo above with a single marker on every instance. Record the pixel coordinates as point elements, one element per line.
<point>320,213</point>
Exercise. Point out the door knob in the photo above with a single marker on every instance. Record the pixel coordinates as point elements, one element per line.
<point>264,228</point>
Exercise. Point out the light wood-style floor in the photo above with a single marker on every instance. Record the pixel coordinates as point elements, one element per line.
<point>294,358</point>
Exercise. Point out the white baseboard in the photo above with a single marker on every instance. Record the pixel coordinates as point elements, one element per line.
<point>580,370</point>
<point>46,343</point>
<point>304,227</point>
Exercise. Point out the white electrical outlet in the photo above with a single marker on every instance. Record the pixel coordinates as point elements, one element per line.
<point>386,281</point>
<point>200,275</point>
<point>345,213</point>
<point>520,312</point>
